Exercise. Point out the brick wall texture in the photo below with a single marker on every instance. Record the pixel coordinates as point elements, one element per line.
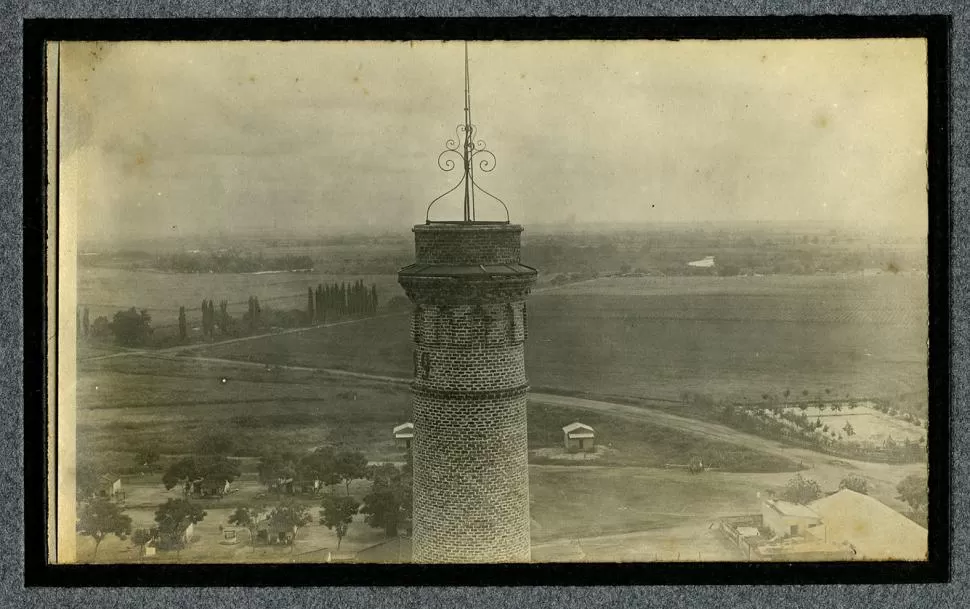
<point>471,477</point>
<point>480,244</point>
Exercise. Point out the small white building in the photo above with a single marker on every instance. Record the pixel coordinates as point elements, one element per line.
<point>705,263</point>
<point>403,435</point>
<point>578,437</point>
<point>109,487</point>
<point>786,519</point>
<point>189,533</point>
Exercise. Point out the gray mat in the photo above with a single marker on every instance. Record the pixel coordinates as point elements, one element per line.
<point>11,542</point>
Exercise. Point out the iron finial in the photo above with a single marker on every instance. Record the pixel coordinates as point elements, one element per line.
<point>467,148</point>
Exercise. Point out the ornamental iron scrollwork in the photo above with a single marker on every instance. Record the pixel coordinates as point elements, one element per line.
<point>466,147</point>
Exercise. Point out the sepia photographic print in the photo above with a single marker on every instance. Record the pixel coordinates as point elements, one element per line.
<point>591,301</point>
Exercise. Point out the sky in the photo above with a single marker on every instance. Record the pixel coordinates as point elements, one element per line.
<point>194,138</point>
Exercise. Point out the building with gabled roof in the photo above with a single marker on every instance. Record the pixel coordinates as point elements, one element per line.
<point>403,435</point>
<point>786,519</point>
<point>578,436</point>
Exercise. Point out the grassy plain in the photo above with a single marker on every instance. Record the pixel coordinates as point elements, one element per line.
<point>646,337</point>
<point>171,403</point>
<point>131,402</point>
<point>575,501</point>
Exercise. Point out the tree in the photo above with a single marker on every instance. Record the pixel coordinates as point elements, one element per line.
<point>86,480</point>
<point>101,327</point>
<point>142,536</point>
<point>338,513</point>
<point>100,518</point>
<point>388,505</point>
<point>224,320</point>
<point>276,467</point>
<point>801,490</point>
<point>173,518</point>
<point>350,466</point>
<point>309,305</point>
<point>190,471</point>
<point>248,518</point>
<point>86,321</point>
<point>183,329</point>
<point>913,489</point>
<point>289,517</point>
<point>147,456</point>
<point>855,483</point>
<point>319,465</point>
<point>132,327</point>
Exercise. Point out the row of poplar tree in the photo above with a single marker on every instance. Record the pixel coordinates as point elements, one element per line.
<point>343,299</point>
<point>327,301</point>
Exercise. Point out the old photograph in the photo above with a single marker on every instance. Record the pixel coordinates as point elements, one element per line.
<point>489,301</point>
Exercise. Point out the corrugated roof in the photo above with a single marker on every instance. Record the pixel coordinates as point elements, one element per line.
<point>877,531</point>
<point>575,426</point>
<point>403,426</point>
<point>582,434</point>
<point>792,509</point>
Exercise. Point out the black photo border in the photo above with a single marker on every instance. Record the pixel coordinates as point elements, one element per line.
<point>935,29</point>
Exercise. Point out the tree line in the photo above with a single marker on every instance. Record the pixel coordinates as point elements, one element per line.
<point>133,327</point>
<point>912,490</point>
<point>344,299</point>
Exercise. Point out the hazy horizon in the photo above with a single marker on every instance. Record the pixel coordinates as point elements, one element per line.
<point>216,140</point>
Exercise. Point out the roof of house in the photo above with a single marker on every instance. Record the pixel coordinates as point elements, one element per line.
<point>574,426</point>
<point>792,509</point>
<point>874,529</point>
<point>404,426</point>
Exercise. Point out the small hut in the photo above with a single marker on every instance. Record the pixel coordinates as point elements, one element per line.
<point>109,487</point>
<point>403,435</point>
<point>578,437</point>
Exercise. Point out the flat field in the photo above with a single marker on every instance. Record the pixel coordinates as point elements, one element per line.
<point>134,401</point>
<point>576,502</point>
<point>172,403</point>
<point>648,337</point>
